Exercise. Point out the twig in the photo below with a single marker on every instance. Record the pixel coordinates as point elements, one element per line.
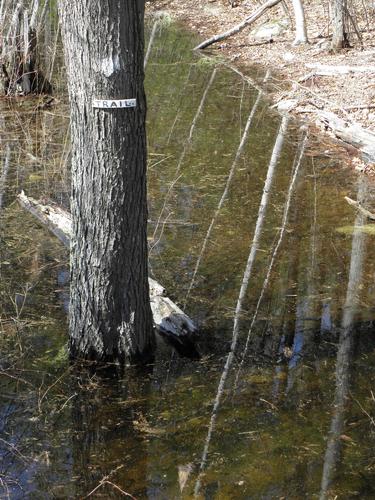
<point>359,207</point>
<point>105,480</point>
<point>49,388</point>
<point>365,412</point>
<point>15,378</point>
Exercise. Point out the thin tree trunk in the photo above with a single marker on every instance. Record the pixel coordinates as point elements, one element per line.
<point>151,42</point>
<point>186,149</point>
<point>4,175</point>
<point>339,37</point>
<point>19,52</point>
<point>110,315</point>
<point>299,16</point>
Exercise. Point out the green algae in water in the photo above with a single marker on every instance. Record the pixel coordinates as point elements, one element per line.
<point>349,230</point>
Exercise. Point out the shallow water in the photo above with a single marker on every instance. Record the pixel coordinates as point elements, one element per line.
<point>291,414</point>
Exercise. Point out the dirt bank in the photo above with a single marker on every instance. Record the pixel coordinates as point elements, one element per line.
<point>350,97</point>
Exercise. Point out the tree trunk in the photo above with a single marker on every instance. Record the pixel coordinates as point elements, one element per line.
<point>299,16</point>
<point>339,36</point>
<point>20,64</point>
<point>110,315</point>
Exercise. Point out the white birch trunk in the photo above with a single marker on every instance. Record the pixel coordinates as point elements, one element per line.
<point>299,16</point>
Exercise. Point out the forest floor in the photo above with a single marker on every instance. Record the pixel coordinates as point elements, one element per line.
<point>350,96</point>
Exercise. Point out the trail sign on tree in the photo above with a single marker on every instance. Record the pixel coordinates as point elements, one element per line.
<point>110,315</point>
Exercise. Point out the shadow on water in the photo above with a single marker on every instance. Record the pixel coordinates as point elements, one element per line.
<point>251,233</point>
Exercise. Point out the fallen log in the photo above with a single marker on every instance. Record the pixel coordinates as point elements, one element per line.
<point>239,27</point>
<point>350,132</point>
<point>327,70</point>
<point>169,319</point>
<point>359,207</point>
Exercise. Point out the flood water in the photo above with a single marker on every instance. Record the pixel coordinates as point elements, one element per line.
<point>251,234</point>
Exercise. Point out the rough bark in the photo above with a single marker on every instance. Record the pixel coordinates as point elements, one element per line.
<point>20,65</point>
<point>169,319</point>
<point>339,36</point>
<point>110,315</point>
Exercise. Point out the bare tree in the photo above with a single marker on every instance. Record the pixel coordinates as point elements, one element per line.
<point>299,16</point>
<point>339,36</point>
<point>110,315</point>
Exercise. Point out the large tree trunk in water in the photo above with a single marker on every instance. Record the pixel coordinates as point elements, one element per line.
<point>110,315</point>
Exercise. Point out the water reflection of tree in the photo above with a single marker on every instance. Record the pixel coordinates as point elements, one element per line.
<point>224,195</point>
<point>4,174</point>
<point>243,290</point>
<point>344,352</point>
<point>306,311</point>
<point>108,439</point>
<point>278,307</point>
<point>186,148</point>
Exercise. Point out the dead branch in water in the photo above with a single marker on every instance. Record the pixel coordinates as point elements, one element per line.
<point>359,207</point>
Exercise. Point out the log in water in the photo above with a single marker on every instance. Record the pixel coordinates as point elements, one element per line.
<point>168,318</point>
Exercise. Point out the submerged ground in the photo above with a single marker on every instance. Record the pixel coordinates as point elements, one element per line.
<point>244,207</point>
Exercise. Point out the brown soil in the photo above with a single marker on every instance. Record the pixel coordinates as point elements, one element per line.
<point>351,97</point>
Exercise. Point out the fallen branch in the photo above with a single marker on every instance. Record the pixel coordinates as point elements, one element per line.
<point>351,133</point>
<point>105,480</point>
<point>359,207</point>
<point>327,70</point>
<point>239,27</point>
<point>359,106</point>
<point>168,318</point>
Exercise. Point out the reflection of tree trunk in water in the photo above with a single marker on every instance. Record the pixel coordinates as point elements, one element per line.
<point>307,305</point>
<point>104,435</point>
<point>226,189</point>
<point>243,289</point>
<point>150,42</point>
<point>186,147</point>
<point>297,163</point>
<point>4,174</point>
<point>294,244</point>
<point>345,347</point>
<point>181,98</point>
